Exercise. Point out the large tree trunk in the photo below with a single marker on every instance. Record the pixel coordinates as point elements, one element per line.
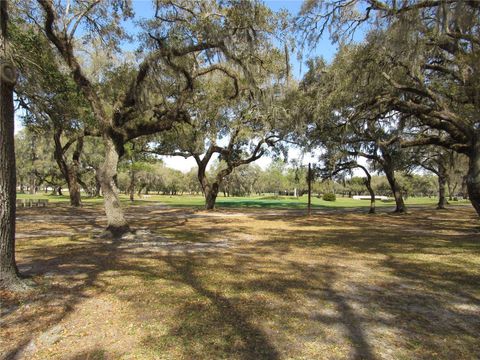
<point>74,189</point>
<point>9,276</point>
<point>33,183</point>
<point>211,193</point>
<point>131,186</point>
<point>368,185</point>
<point>116,223</point>
<point>396,190</point>
<point>69,172</point>
<point>74,186</point>
<point>473,177</point>
<point>442,182</point>
<point>98,185</point>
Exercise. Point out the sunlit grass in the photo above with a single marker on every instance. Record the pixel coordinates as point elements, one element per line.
<point>349,285</point>
<point>282,202</point>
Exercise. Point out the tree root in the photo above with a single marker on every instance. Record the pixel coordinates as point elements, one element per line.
<point>17,284</point>
<point>115,232</point>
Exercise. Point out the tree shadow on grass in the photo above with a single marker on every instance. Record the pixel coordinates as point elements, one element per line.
<point>347,316</point>
<point>94,354</point>
<point>295,282</point>
<point>70,271</point>
<point>392,316</point>
<point>427,298</point>
<point>224,316</point>
<point>64,274</point>
<point>224,330</point>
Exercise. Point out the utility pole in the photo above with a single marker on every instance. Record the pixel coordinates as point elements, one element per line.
<point>309,181</point>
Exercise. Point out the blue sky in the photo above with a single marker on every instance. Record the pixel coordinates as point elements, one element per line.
<point>144,9</point>
<point>324,48</point>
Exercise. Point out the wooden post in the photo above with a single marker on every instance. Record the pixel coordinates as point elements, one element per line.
<point>309,181</point>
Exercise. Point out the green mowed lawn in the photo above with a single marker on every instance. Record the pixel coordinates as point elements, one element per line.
<point>274,202</point>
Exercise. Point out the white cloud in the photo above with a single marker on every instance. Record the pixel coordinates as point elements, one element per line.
<point>179,163</point>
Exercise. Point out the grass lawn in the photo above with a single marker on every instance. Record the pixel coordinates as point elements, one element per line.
<point>281,202</point>
<point>235,284</point>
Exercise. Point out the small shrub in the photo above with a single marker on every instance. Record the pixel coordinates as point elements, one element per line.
<point>329,197</point>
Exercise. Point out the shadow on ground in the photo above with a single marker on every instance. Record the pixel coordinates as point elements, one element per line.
<point>330,286</point>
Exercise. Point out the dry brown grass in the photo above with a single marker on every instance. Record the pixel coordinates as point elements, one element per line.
<point>247,285</point>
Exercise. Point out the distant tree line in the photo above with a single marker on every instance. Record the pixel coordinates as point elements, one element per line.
<point>142,173</point>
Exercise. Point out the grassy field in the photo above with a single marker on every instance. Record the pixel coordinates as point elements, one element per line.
<point>235,284</point>
<point>281,202</point>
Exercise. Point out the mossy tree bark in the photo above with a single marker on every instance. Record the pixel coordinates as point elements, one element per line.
<point>368,185</point>
<point>116,223</point>
<point>473,176</point>
<point>442,186</point>
<point>396,190</point>
<point>69,171</point>
<point>211,193</point>
<point>9,275</point>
